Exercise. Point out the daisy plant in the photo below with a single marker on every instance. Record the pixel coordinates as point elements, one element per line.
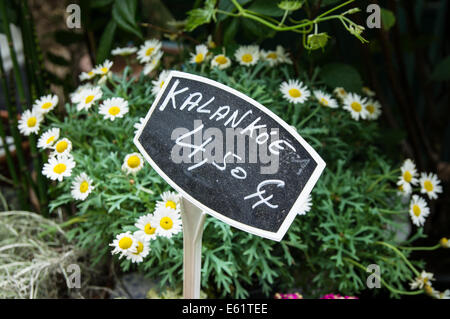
<point>124,208</point>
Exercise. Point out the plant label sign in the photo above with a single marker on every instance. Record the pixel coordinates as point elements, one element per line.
<point>228,155</point>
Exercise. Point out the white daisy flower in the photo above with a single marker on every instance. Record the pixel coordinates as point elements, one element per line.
<point>210,43</point>
<point>306,206</point>
<point>158,84</point>
<point>87,75</point>
<point>124,51</point>
<point>220,61</point>
<point>424,279</point>
<point>275,57</point>
<point>29,122</point>
<point>430,184</point>
<point>153,64</point>
<point>340,93</point>
<point>368,92</point>
<point>87,97</point>
<point>132,163</point>
<point>201,51</point>
<point>104,68</point>
<point>46,103</point>
<point>142,249</point>
<point>408,177</point>
<point>48,138</point>
<point>294,91</point>
<point>81,187</point>
<point>62,147</point>
<point>445,243</point>
<point>373,109</point>
<point>146,226</point>
<point>418,210</point>
<point>355,105</point>
<point>138,125</point>
<point>58,167</point>
<point>114,107</point>
<point>148,49</point>
<point>169,200</point>
<point>325,99</point>
<point>442,295</point>
<point>123,244</point>
<point>168,221</point>
<point>247,55</point>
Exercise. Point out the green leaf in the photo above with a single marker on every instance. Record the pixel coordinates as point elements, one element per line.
<point>387,19</point>
<point>442,70</point>
<point>124,13</point>
<point>106,41</point>
<point>201,16</point>
<point>341,75</point>
<point>266,7</point>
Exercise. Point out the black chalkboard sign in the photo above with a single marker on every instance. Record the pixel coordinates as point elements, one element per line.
<point>228,154</point>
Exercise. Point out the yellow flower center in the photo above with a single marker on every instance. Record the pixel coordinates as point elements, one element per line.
<point>104,70</point>
<point>59,168</point>
<point>46,105</point>
<point>199,58</point>
<point>221,59</point>
<point>407,176</point>
<point>272,55</point>
<point>149,230</point>
<point>50,140</point>
<point>114,110</point>
<point>370,108</point>
<point>161,85</point>
<point>89,99</point>
<point>84,186</point>
<point>295,92</point>
<point>31,122</point>
<point>428,289</point>
<point>171,204</point>
<point>444,241</point>
<point>323,101</point>
<point>125,243</point>
<point>149,51</point>
<point>140,248</point>
<point>166,223</point>
<point>428,186</point>
<point>134,161</point>
<point>61,146</point>
<point>247,58</point>
<point>91,73</point>
<point>356,106</point>
<point>416,210</point>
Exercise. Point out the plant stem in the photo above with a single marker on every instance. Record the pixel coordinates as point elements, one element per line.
<point>306,119</point>
<point>401,255</point>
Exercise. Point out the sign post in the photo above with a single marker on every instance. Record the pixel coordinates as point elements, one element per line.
<point>227,156</point>
<point>193,219</point>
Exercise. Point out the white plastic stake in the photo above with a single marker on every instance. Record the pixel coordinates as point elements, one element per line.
<point>193,219</point>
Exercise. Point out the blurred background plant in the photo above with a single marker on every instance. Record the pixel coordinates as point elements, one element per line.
<point>406,63</point>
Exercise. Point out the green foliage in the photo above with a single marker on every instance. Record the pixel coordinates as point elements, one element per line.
<point>352,207</point>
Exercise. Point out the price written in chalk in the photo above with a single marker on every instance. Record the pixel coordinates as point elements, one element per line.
<point>228,154</point>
